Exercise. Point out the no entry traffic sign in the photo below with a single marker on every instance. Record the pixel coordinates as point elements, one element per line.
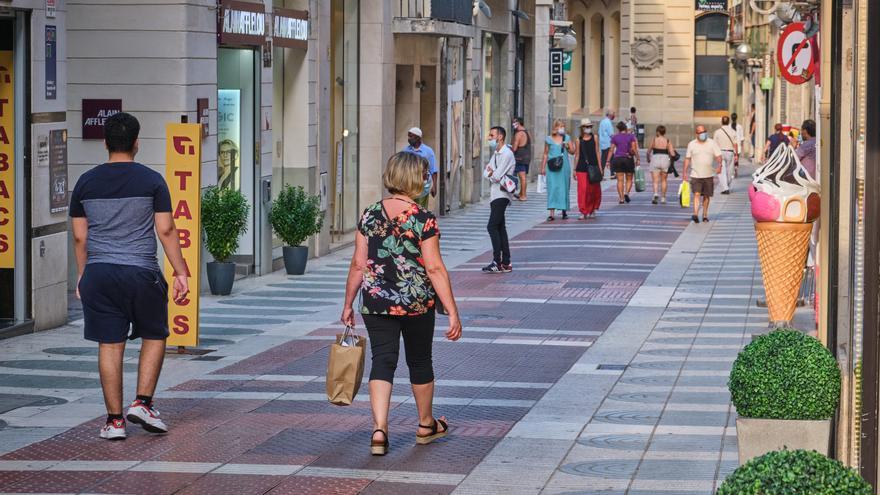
<point>795,54</point>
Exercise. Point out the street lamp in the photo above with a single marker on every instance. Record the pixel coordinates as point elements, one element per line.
<point>567,42</point>
<point>743,52</point>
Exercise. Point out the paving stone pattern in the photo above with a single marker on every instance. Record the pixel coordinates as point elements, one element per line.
<point>598,366</point>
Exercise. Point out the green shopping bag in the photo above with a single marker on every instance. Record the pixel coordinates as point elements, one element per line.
<point>640,179</point>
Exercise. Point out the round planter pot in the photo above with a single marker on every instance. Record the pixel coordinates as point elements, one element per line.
<point>220,278</point>
<point>755,437</point>
<point>295,259</point>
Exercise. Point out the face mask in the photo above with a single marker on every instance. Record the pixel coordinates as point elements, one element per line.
<point>493,143</point>
<point>703,136</point>
<point>414,142</point>
<point>588,130</point>
<point>560,131</point>
<point>427,189</point>
<point>800,139</point>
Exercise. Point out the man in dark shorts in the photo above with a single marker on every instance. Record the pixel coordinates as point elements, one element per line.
<point>701,164</point>
<point>522,152</point>
<point>115,208</point>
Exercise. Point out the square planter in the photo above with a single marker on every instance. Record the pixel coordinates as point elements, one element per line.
<point>756,437</point>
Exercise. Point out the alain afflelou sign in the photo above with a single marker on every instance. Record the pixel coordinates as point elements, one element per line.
<point>244,23</point>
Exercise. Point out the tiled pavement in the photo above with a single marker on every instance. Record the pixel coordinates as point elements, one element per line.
<point>598,366</point>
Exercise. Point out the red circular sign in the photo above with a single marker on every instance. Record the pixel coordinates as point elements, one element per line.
<point>794,54</point>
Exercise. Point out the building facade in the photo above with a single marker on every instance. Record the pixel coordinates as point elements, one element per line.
<point>290,92</point>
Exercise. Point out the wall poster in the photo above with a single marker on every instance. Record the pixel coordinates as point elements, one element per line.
<point>57,170</point>
<point>229,138</point>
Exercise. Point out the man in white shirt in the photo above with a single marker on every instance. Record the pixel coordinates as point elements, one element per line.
<point>501,163</point>
<point>702,163</point>
<point>725,138</point>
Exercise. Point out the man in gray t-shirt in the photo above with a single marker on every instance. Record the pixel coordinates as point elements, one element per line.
<point>117,209</point>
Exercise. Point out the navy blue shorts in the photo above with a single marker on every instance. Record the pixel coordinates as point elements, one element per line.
<point>521,167</point>
<point>123,302</point>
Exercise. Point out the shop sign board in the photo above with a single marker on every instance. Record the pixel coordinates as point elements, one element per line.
<point>711,5</point>
<point>556,78</point>
<point>566,61</point>
<point>204,115</point>
<point>7,161</point>
<point>794,54</point>
<point>183,144</point>
<point>58,170</point>
<point>50,8</point>
<point>51,89</point>
<point>290,28</point>
<point>241,23</point>
<point>94,113</point>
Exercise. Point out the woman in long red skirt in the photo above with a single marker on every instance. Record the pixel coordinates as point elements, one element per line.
<point>587,151</point>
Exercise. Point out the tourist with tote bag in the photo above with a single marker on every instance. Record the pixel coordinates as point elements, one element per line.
<point>398,270</point>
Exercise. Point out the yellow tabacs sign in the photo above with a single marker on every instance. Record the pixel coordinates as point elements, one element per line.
<point>7,165</point>
<point>182,172</point>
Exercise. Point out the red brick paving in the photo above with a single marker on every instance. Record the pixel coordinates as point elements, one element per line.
<point>318,434</point>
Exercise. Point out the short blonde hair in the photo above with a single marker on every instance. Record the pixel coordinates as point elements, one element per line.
<point>405,174</point>
<point>557,123</point>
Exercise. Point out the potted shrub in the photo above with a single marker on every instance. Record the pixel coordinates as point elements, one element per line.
<point>787,472</point>
<point>224,218</point>
<point>786,387</point>
<point>295,216</point>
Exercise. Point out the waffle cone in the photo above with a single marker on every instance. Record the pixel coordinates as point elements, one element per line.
<point>782,248</point>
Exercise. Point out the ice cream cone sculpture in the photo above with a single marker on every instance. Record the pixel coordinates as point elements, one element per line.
<point>785,202</point>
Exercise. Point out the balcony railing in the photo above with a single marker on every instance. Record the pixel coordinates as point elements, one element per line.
<point>458,11</point>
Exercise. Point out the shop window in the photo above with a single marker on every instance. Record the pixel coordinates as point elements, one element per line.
<point>711,68</point>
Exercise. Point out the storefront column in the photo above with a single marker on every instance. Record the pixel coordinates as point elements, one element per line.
<point>376,97</point>
<point>541,125</point>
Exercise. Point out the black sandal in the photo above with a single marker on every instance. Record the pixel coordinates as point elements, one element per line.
<point>564,215</point>
<point>550,218</point>
<point>695,218</point>
<point>705,219</point>
<point>434,435</point>
<point>379,448</point>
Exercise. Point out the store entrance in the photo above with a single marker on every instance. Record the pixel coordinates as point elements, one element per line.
<point>237,156</point>
<point>14,303</point>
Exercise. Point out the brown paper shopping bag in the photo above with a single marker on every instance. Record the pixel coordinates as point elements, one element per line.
<point>345,368</point>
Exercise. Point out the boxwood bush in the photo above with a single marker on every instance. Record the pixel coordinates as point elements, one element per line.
<point>790,472</point>
<point>785,375</point>
<point>224,218</point>
<point>296,215</point>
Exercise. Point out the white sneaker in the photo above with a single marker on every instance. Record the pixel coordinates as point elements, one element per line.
<point>148,417</point>
<point>663,200</point>
<point>114,430</point>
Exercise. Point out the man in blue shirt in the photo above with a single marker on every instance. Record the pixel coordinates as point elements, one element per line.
<point>606,131</point>
<point>414,138</point>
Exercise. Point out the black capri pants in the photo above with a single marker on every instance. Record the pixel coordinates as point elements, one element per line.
<point>418,336</point>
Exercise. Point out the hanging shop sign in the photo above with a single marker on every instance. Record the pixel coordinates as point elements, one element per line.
<point>183,144</point>
<point>7,162</point>
<point>51,89</point>
<point>566,61</point>
<point>241,23</point>
<point>711,5</point>
<point>94,113</point>
<point>556,78</point>
<point>58,170</point>
<point>290,28</point>
<point>794,54</point>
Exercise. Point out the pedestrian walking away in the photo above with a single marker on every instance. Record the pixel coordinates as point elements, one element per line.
<point>624,157</point>
<point>806,152</point>
<point>501,164</point>
<point>414,138</point>
<point>740,141</point>
<point>588,171</point>
<point>522,152</point>
<point>753,125</point>
<point>660,151</point>
<point>115,209</point>
<point>702,163</point>
<point>556,167</point>
<point>774,140</point>
<point>606,132</point>
<point>725,138</point>
<point>399,272</point>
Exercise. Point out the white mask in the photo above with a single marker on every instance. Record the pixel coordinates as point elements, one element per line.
<point>560,131</point>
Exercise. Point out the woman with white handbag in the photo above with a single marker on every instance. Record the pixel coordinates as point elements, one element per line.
<point>499,171</point>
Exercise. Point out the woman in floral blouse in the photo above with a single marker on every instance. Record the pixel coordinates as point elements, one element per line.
<point>398,268</point>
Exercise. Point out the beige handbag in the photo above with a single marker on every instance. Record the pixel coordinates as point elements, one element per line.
<point>345,367</point>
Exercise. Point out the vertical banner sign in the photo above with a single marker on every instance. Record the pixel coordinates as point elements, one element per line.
<point>556,61</point>
<point>51,89</point>
<point>7,163</point>
<point>58,170</point>
<point>183,174</point>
